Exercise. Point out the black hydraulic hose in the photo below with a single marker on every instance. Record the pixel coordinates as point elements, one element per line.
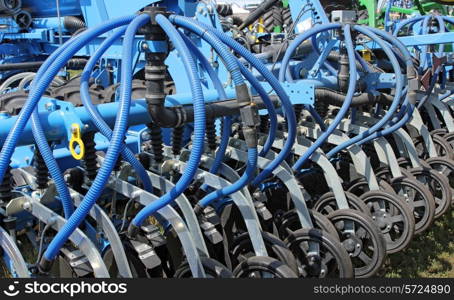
<point>75,63</point>
<point>336,98</point>
<point>33,65</point>
<point>173,117</point>
<point>73,24</point>
<point>257,13</point>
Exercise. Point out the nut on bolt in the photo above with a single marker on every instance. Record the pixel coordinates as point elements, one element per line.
<point>27,206</point>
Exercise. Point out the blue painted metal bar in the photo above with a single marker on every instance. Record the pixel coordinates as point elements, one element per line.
<point>428,39</point>
<point>58,116</point>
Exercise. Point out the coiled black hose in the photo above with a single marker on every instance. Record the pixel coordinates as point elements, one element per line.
<point>332,97</point>
<point>73,24</point>
<point>177,140</point>
<point>224,10</point>
<point>90,162</point>
<point>211,135</point>
<point>6,187</point>
<point>42,172</point>
<point>156,142</point>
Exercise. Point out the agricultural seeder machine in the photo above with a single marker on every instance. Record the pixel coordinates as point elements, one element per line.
<point>173,139</point>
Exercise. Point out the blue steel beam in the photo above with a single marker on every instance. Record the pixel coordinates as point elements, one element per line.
<point>428,39</point>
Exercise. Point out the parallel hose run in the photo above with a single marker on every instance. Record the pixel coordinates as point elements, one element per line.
<point>199,129</point>
<point>114,149</point>
<point>226,128</point>
<point>48,71</point>
<point>239,82</point>
<point>396,101</point>
<point>348,99</point>
<point>287,105</point>
<point>98,121</point>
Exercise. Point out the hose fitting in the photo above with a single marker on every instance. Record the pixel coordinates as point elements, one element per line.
<point>133,231</point>
<point>45,265</point>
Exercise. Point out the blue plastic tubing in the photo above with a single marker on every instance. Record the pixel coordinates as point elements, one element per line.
<point>47,154</point>
<point>98,121</point>
<point>402,24</point>
<point>52,165</point>
<point>403,117</point>
<point>237,185</point>
<point>48,71</point>
<point>228,58</point>
<point>119,131</point>
<point>387,12</point>
<point>227,126</point>
<point>287,105</point>
<point>199,125</point>
<point>396,101</point>
<point>411,72</point>
<point>425,30</point>
<point>327,65</point>
<point>284,65</point>
<point>442,25</point>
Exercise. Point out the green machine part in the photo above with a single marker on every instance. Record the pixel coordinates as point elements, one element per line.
<point>376,18</point>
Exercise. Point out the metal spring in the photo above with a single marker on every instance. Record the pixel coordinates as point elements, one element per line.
<point>90,162</point>
<point>264,124</point>
<point>211,135</point>
<point>322,108</point>
<point>156,142</point>
<point>298,112</point>
<point>42,173</point>
<point>177,140</point>
<point>6,186</point>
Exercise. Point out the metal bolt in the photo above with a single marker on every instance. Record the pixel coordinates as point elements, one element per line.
<point>145,135</point>
<point>36,195</point>
<point>27,206</point>
<point>49,106</point>
<point>201,176</point>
